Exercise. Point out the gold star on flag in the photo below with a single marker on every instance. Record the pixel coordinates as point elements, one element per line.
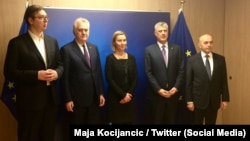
<point>14,97</point>
<point>188,53</point>
<point>11,85</point>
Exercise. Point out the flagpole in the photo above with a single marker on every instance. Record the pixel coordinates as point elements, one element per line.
<point>182,5</point>
<point>28,3</point>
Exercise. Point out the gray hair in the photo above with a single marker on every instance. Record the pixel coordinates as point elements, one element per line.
<point>161,23</point>
<point>80,19</point>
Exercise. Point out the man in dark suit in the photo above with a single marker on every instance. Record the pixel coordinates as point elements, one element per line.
<point>206,90</point>
<point>82,80</point>
<point>164,67</point>
<point>33,62</point>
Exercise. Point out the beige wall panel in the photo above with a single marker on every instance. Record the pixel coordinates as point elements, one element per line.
<point>7,125</point>
<point>207,17</point>
<point>237,33</point>
<point>11,13</point>
<point>10,24</point>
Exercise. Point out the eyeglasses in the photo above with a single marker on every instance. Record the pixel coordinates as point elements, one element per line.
<point>42,18</point>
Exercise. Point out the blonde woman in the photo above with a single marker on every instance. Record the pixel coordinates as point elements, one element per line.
<point>121,75</point>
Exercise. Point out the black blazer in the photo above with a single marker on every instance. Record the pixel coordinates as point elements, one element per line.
<point>81,83</point>
<point>158,75</point>
<point>199,88</point>
<point>23,60</point>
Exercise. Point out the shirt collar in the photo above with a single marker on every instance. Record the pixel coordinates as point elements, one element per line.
<point>160,45</point>
<point>35,37</point>
<point>203,54</point>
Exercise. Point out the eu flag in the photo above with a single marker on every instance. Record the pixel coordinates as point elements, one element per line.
<point>182,37</point>
<point>24,28</point>
<point>9,88</point>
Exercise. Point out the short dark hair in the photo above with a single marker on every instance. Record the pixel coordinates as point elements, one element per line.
<point>31,11</point>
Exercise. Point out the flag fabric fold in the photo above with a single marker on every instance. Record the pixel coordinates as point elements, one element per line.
<point>9,96</point>
<point>182,37</point>
<point>24,28</point>
<point>9,88</point>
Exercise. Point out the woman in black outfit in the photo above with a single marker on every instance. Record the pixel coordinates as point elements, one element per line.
<point>121,75</point>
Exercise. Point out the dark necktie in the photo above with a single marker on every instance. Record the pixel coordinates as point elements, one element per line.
<point>86,55</point>
<point>164,54</point>
<point>208,66</point>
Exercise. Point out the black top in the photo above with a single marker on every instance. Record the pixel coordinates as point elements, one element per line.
<point>121,75</point>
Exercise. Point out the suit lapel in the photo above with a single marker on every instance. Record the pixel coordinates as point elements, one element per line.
<point>159,53</point>
<point>202,64</point>
<point>91,54</point>
<point>32,47</point>
<point>79,53</point>
<point>216,64</point>
<point>170,54</point>
<point>48,51</point>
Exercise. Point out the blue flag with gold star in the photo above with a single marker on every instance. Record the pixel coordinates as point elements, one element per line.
<point>182,37</point>
<point>9,88</point>
<point>9,96</point>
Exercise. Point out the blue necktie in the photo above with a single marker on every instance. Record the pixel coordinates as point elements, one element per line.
<point>208,67</point>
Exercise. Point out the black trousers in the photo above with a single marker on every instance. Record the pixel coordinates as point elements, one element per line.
<point>38,125</point>
<point>207,116</point>
<point>162,112</point>
<point>86,115</point>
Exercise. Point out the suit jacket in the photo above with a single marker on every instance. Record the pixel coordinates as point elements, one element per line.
<point>23,60</point>
<point>81,83</point>
<point>158,75</point>
<point>199,88</point>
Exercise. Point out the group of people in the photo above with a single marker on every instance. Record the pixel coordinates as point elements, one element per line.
<point>35,62</point>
